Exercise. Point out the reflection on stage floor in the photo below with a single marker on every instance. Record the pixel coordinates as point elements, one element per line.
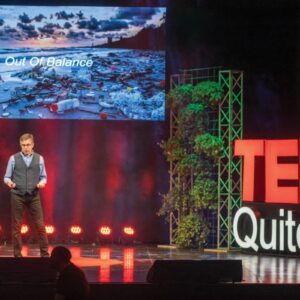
<point>130,264</point>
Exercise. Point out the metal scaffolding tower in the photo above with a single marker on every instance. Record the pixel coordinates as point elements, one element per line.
<point>230,127</point>
<point>230,168</point>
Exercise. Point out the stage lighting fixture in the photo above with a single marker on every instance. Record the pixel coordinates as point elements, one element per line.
<point>104,234</point>
<point>25,232</point>
<point>128,230</point>
<point>75,234</point>
<point>105,230</point>
<point>24,229</point>
<point>49,229</point>
<point>127,235</point>
<point>76,230</point>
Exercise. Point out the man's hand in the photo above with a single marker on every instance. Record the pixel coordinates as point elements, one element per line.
<point>11,184</point>
<point>41,185</point>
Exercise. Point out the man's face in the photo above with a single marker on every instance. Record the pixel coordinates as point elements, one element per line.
<point>27,146</point>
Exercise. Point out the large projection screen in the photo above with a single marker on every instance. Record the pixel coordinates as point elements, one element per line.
<point>71,62</point>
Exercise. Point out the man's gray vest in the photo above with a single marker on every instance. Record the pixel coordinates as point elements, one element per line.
<point>26,178</point>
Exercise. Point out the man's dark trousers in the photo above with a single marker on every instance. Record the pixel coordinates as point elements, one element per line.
<point>33,204</point>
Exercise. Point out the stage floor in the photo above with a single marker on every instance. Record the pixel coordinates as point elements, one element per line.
<point>130,264</point>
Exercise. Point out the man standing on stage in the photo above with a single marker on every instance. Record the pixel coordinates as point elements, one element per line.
<point>25,176</point>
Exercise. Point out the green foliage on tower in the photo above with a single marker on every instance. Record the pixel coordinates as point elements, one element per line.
<point>195,152</point>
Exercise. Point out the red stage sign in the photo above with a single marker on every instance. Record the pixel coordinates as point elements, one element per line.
<point>271,150</point>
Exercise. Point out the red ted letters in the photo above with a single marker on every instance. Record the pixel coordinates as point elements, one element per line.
<point>274,171</point>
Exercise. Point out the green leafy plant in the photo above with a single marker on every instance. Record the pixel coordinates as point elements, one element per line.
<point>209,145</point>
<point>204,193</point>
<point>191,232</point>
<point>208,92</point>
<point>193,120</point>
<point>194,152</point>
<point>173,148</point>
<point>180,96</point>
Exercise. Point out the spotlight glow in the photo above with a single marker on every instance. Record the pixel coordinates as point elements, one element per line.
<point>105,230</point>
<point>76,230</point>
<point>128,230</point>
<point>49,229</point>
<point>24,229</point>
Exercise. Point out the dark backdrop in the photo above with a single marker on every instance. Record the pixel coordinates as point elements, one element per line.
<point>113,171</point>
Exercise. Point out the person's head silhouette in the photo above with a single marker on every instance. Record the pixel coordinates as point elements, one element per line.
<point>60,257</point>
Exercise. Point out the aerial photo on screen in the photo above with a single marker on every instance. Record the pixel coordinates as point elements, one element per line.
<point>99,63</point>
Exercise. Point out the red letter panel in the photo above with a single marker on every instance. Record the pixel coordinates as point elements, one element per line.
<point>275,171</point>
<point>248,149</point>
